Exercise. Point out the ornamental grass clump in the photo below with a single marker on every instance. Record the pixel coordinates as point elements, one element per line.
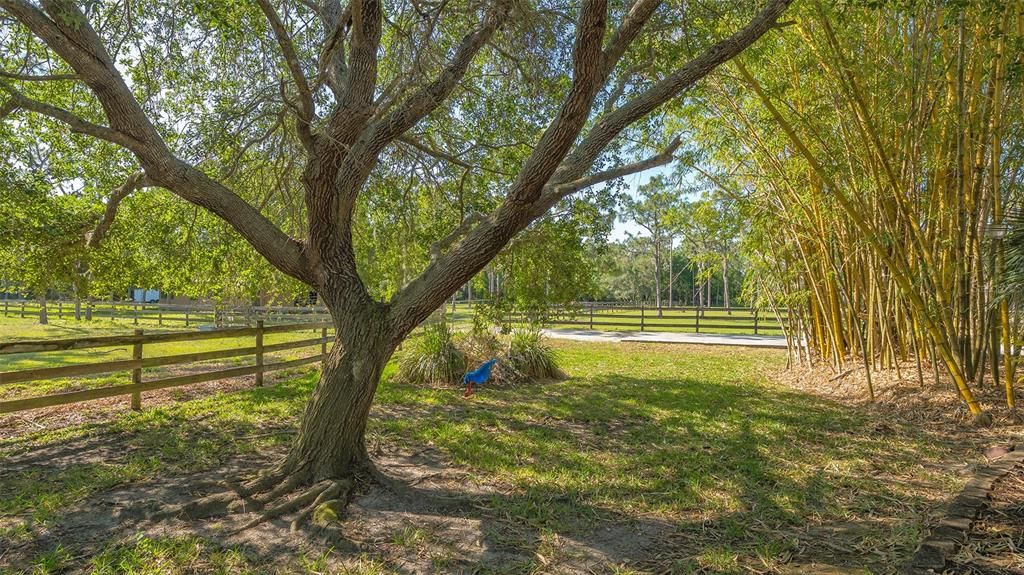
<point>433,358</point>
<point>529,357</point>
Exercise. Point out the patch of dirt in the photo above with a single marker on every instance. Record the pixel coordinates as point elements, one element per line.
<point>440,521</point>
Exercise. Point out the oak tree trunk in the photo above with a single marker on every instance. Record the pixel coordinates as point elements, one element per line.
<point>331,439</point>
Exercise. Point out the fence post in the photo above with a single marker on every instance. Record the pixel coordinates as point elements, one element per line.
<point>186,317</point>
<point>259,353</point>
<point>160,316</point>
<point>88,311</point>
<point>22,310</point>
<point>136,319</point>
<point>323,344</point>
<point>5,308</point>
<point>78,310</point>
<point>137,372</point>
<point>755,321</point>
<point>641,316</point>
<point>591,316</point>
<point>60,310</point>
<point>113,311</point>
<point>697,321</point>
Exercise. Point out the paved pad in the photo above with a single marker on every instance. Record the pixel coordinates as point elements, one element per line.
<point>773,341</point>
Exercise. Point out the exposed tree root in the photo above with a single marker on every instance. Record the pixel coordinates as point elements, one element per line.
<point>266,495</point>
<point>284,486</point>
<point>210,506</point>
<point>337,492</point>
<point>275,494</point>
<point>264,481</point>
<point>298,501</point>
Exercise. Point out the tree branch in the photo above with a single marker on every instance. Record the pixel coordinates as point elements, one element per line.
<point>449,271</point>
<point>7,108</point>
<point>361,76</point>
<point>462,229</point>
<point>610,125</point>
<point>39,77</point>
<point>553,193</point>
<point>77,125</point>
<point>432,151</point>
<point>307,113</point>
<point>69,34</point>
<point>134,182</point>
<point>551,164</point>
<point>331,66</point>
<point>429,97</point>
<point>639,13</point>
<point>354,168</point>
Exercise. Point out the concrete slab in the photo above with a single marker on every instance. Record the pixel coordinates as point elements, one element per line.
<point>770,341</point>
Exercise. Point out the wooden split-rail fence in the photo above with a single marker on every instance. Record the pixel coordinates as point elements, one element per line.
<point>140,361</point>
<point>159,313</point>
<point>629,317</point>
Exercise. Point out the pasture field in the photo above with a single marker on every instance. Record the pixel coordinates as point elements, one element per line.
<point>646,459</point>
<point>17,329</point>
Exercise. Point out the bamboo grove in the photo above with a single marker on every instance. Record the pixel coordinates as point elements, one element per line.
<point>877,152</point>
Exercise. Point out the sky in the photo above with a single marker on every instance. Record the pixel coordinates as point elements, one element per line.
<point>621,229</point>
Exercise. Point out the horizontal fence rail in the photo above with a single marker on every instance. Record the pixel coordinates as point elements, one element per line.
<point>135,312</point>
<point>139,361</point>
<point>600,316</point>
<point>607,316</point>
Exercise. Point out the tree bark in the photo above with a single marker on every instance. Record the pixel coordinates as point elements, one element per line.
<point>725,284</point>
<point>657,275</point>
<point>670,278</point>
<point>331,439</point>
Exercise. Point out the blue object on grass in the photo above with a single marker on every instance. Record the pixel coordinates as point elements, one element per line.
<point>480,374</point>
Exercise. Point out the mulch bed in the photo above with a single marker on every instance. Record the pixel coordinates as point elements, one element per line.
<point>983,530</point>
<point>995,544</point>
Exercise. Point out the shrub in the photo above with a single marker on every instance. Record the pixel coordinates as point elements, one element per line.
<point>529,357</point>
<point>433,358</point>
<point>479,345</point>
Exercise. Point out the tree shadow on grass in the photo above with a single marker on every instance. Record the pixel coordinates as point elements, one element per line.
<point>662,473</point>
<point>770,476</point>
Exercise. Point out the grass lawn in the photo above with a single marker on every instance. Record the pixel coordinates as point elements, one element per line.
<point>14,327</point>
<point>647,459</point>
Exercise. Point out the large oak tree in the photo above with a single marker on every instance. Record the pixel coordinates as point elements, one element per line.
<point>351,83</point>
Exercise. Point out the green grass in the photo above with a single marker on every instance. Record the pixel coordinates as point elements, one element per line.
<point>186,555</point>
<point>14,327</point>
<point>692,438</point>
